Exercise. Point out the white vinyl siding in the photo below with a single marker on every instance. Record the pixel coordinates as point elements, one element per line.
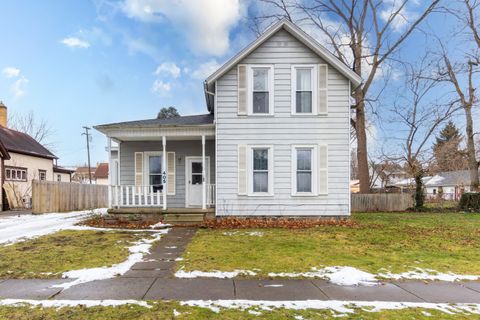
<point>282,132</point>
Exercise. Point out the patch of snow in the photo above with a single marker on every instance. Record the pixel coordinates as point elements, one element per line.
<point>342,307</point>
<point>255,313</point>
<point>160,225</point>
<point>299,318</point>
<point>344,276</point>
<point>212,274</point>
<point>427,314</point>
<point>273,285</point>
<point>244,233</point>
<point>428,274</point>
<point>171,247</point>
<point>176,313</point>
<point>179,259</point>
<point>137,252</point>
<point>71,303</point>
<point>19,228</point>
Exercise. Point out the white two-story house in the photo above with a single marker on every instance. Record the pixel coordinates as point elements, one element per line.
<point>275,140</point>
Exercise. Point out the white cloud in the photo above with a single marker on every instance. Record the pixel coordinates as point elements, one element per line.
<point>11,72</point>
<point>18,87</point>
<point>206,24</point>
<point>161,87</point>
<point>169,68</point>
<point>74,42</point>
<point>205,69</point>
<point>402,17</point>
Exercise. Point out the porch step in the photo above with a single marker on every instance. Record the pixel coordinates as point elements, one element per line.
<point>183,218</point>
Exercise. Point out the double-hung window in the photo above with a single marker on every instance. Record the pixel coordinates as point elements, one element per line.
<point>153,170</point>
<point>304,173</point>
<point>261,90</point>
<point>304,94</point>
<point>261,170</point>
<point>42,175</point>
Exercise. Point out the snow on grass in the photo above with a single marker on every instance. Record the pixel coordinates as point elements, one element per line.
<point>428,274</point>
<point>160,225</point>
<point>343,307</point>
<point>244,233</point>
<point>71,303</point>
<point>212,274</point>
<point>19,228</point>
<point>137,252</point>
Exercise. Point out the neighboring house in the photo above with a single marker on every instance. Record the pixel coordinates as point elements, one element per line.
<point>29,160</point>
<point>62,174</point>
<point>448,185</point>
<point>101,174</point>
<point>276,140</point>
<point>81,174</point>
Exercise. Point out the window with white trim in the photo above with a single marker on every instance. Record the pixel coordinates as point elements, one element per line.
<point>304,170</point>
<point>15,174</point>
<point>260,83</point>
<point>304,95</point>
<point>153,170</point>
<point>59,177</point>
<point>42,175</point>
<point>261,170</point>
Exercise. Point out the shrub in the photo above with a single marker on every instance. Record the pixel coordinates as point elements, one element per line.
<point>470,202</point>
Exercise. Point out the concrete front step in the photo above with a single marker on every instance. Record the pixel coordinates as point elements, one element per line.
<point>183,218</point>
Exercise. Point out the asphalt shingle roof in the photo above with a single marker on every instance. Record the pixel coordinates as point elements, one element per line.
<point>20,142</point>
<point>202,119</point>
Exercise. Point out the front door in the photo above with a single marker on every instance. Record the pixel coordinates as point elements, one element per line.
<point>194,180</point>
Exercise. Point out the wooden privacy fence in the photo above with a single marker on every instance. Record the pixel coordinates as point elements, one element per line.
<point>52,196</point>
<point>381,202</point>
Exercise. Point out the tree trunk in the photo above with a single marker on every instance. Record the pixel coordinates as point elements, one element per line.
<point>472,161</point>
<point>360,130</point>
<point>419,195</point>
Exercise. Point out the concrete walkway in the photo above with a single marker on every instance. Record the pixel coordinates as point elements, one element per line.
<point>153,280</point>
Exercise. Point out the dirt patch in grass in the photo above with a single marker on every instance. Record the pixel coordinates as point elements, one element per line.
<point>118,223</point>
<point>51,255</point>
<point>173,310</point>
<point>398,242</point>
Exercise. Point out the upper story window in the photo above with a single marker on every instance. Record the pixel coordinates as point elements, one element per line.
<point>304,95</point>
<point>260,84</point>
<point>59,177</point>
<point>15,174</point>
<point>42,175</point>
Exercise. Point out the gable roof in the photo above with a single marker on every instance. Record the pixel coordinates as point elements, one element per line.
<point>450,178</point>
<point>102,171</point>
<point>201,119</point>
<point>301,36</point>
<point>19,142</point>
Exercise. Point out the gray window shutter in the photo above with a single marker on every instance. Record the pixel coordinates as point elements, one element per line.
<point>138,171</point>
<point>323,169</point>
<point>242,89</point>
<point>242,169</point>
<point>171,173</point>
<point>323,88</point>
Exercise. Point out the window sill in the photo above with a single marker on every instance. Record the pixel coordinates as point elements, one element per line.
<point>260,195</point>
<point>260,115</point>
<point>305,194</point>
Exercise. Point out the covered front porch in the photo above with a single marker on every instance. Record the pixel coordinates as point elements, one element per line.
<point>161,166</point>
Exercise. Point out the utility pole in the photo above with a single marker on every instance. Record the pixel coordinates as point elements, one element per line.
<point>87,135</point>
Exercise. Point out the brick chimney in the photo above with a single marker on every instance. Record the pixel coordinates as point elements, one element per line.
<point>3,115</point>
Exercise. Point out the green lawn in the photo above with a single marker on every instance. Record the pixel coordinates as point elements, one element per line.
<point>396,241</point>
<point>165,310</point>
<point>48,256</point>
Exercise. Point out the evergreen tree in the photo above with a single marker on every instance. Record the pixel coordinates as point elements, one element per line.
<point>167,113</point>
<point>449,156</point>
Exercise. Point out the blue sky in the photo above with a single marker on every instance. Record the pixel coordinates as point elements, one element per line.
<point>77,63</point>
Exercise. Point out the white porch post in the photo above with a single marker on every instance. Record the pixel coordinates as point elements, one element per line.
<point>164,173</point>
<point>204,180</point>
<point>110,165</point>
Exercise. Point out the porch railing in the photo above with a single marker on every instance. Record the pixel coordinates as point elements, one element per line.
<point>137,196</point>
<point>210,195</point>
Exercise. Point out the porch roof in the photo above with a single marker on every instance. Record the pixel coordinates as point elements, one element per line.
<point>183,127</point>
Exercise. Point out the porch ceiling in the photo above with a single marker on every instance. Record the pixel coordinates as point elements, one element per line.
<point>156,134</point>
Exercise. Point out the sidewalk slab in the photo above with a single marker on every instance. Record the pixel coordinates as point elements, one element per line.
<point>154,265</point>
<point>277,290</point>
<point>441,292</point>
<point>472,285</point>
<point>191,289</point>
<point>30,288</point>
<point>382,292</point>
<point>116,288</point>
<point>147,274</point>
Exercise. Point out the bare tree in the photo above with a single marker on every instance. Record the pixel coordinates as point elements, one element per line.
<point>38,129</point>
<point>363,34</point>
<point>461,75</point>
<point>419,114</point>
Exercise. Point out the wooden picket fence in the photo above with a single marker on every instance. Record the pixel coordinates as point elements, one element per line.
<point>52,196</point>
<point>387,202</point>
